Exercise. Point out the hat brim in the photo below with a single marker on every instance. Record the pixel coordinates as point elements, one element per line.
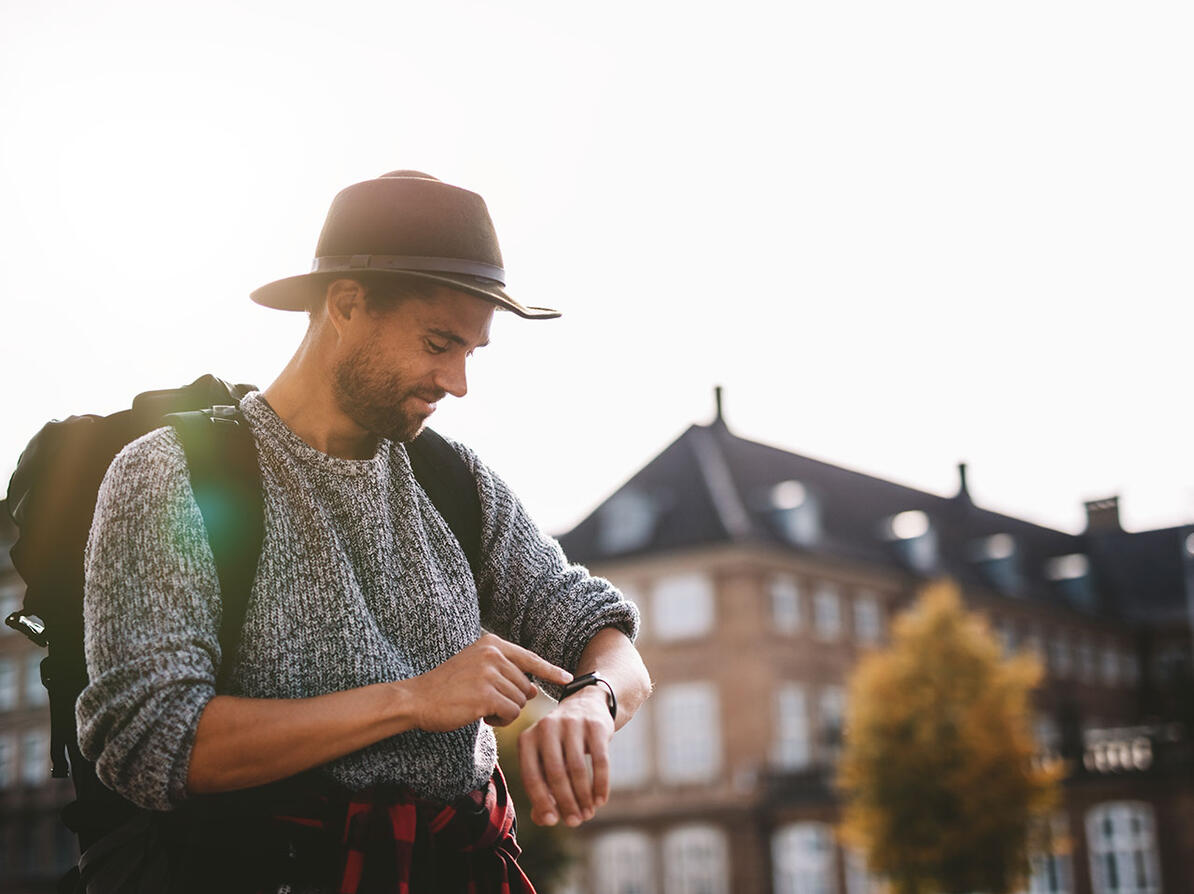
<point>303,291</point>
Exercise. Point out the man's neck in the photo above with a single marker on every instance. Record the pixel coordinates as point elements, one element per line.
<point>303,399</point>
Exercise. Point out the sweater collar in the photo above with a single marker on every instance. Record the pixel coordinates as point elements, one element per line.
<point>268,426</point>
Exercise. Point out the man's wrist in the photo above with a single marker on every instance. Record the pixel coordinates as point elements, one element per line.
<point>402,703</point>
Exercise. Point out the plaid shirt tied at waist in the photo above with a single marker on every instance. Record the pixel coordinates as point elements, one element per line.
<point>391,840</point>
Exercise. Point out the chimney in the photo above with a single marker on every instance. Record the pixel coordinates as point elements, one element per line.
<point>719,419</point>
<point>1102,516</point>
<point>963,491</point>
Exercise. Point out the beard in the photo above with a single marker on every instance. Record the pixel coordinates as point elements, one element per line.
<point>375,398</point>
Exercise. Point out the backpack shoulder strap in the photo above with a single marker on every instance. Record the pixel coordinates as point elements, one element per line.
<point>222,460</point>
<point>450,484</point>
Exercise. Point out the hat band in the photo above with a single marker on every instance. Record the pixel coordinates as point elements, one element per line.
<point>348,263</point>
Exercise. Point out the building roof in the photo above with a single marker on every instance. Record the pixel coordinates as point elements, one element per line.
<point>712,487</point>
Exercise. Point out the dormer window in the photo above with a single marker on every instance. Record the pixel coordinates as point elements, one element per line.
<point>796,512</point>
<point>626,522</point>
<point>909,525</point>
<point>1070,574</point>
<point>1071,567</point>
<point>998,562</point>
<point>914,538</point>
<point>998,547</point>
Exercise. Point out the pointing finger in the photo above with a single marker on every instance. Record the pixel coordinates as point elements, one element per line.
<point>527,661</point>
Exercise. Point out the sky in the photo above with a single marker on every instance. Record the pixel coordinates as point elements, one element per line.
<point>899,235</point>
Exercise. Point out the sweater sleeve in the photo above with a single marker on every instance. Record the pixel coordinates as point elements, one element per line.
<point>532,595</point>
<point>151,616</point>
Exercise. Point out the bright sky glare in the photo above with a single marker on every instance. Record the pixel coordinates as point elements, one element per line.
<point>900,234</point>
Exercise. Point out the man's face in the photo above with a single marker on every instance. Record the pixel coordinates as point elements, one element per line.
<point>395,365</point>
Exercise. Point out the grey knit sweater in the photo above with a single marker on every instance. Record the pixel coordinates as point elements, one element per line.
<point>360,581</point>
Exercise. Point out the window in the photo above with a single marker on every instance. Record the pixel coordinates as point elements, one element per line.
<point>831,709</point>
<point>914,538</point>
<point>998,561</point>
<point>797,512</point>
<point>622,863</point>
<point>1051,871</point>
<point>1005,631</point>
<point>1060,657</point>
<point>35,692</point>
<point>1110,666</point>
<point>1070,575</point>
<point>827,613</point>
<point>35,757</point>
<point>791,728</point>
<point>1047,732</point>
<point>629,752</point>
<point>785,603</point>
<point>1169,664</point>
<point>626,522</point>
<point>683,606</point>
<point>695,861</point>
<point>802,855</point>
<point>8,762</point>
<point>868,620</point>
<point>1130,668</point>
<point>689,732</point>
<point>1123,849</point>
<point>8,684</point>
<point>1086,661</point>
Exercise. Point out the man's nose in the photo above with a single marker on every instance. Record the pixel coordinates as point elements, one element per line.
<point>452,378</point>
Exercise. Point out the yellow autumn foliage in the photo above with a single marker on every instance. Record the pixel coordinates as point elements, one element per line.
<point>938,767</point>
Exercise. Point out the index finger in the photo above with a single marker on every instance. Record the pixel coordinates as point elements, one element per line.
<point>528,662</point>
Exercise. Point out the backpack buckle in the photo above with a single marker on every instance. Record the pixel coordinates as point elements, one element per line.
<point>226,414</point>
<point>31,625</point>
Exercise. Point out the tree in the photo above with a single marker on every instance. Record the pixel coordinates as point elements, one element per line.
<point>938,769</point>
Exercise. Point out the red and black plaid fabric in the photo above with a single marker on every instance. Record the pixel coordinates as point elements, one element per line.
<point>393,842</point>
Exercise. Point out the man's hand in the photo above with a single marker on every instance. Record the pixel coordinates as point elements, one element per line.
<point>552,756</point>
<point>485,680</point>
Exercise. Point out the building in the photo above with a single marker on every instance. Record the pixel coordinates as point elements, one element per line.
<point>35,847</point>
<point>762,577</point>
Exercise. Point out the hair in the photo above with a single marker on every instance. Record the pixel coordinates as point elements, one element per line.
<point>382,293</point>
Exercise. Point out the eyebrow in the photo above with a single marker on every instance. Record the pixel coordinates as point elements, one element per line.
<point>453,337</point>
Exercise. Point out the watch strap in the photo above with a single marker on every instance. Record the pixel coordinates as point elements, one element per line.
<point>592,679</point>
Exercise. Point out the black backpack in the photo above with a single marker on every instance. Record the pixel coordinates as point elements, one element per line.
<point>51,498</point>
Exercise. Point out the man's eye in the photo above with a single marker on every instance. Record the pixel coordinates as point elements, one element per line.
<point>435,347</point>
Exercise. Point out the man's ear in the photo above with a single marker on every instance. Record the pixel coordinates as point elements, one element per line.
<point>345,299</point>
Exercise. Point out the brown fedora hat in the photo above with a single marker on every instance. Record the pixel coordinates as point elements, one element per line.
<point>404,224</point>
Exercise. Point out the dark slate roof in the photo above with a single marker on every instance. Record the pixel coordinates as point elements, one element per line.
<point>1148,574</point>
<point>710,487</point>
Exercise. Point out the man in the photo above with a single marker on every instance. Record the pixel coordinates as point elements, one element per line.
<point>363,671</point>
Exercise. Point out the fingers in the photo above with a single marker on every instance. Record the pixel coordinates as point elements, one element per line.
<point>555,771</point>
<point>555,755</point>
<point>599,753</point>
<point>528,662</point>
<point>543,805</point>
<point>518,679</point>
<point>507,702</point>
<point>579,783</point>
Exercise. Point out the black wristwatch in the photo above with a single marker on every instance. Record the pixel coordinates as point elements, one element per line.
<point>593,679</point>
